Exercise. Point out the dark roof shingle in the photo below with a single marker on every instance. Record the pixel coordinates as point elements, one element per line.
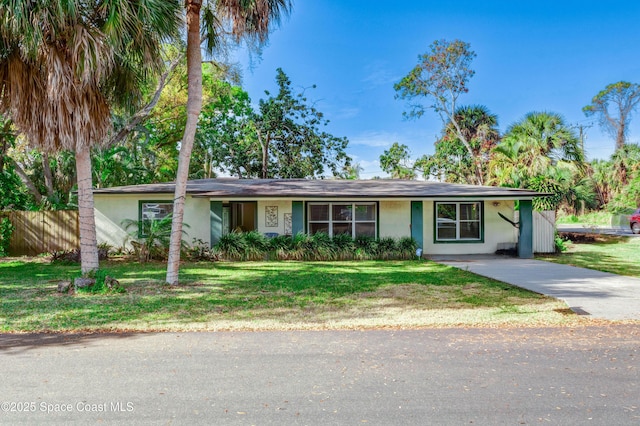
<point>288,188</point>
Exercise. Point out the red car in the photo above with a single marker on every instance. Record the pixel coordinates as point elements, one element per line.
<point>634,222</point>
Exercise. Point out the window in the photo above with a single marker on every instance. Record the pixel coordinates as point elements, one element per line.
<point>459,221</point>
<point>353,219</point>
<point>152,210</point>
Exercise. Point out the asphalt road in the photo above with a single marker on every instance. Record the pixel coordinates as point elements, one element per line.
<point>453,376</point>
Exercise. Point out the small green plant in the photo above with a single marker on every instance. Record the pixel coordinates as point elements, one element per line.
<point>344,246</point>
<point>6,229</point>
<point>151,237</point>
<point>407,247</point>
<point>561,244</point>
<point>387,248</point>
<point>104,283</point>
<point>232,246</point>
<point>256,245</point>
<point>199,251</point>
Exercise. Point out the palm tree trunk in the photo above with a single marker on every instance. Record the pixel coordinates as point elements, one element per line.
<point>194,105</point>
<point>88,240</point>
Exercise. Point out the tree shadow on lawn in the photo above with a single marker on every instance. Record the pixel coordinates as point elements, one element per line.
<point>246,290</point>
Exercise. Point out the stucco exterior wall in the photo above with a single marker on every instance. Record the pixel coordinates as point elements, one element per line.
<point>395,219</point>
<point>112,210</point>
<point>283,207</point>
<point>496,230</point>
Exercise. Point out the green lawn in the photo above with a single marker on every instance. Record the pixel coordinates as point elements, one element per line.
<point>618,255</point>
<point>270,296</point>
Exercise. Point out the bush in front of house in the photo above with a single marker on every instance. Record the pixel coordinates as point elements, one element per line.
<point>319,247</point>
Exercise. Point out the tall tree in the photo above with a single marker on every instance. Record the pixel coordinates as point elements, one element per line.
<point>451,161</point>
<point>442,75</point>
<point>251,20</point>
<point>62,65</point>
<point>397,162</point>
<point>539,152</point>
<point>290,136</point>
<point>613,107</point>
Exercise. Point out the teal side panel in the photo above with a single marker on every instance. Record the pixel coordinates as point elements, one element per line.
<point>525,239</point>
<point>215,218</point>
<point>417,222</point>
<point>297,217</point>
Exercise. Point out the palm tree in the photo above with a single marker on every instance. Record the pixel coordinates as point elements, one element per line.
<point>538,141</point>
<point>63,65</point>
<point>249,20</point>
<point>539,152</point>
<point>460,163</point>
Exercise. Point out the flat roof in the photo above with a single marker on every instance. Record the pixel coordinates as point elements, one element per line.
<point>324,188</point>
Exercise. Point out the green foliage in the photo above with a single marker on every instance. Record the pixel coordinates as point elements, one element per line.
<point>6,229</point>
<point>151,237</point>
<point>12,192</point>
<point>290,136</point>
<point>232,246</point>
<point>407,247</point>
<point>284,138</point>
<point>256,245</point>
<point>452,161</point>
<point>104,283</point>
<point>396,161</point>
<point>542,153</point>
<point>199,250</point>
<point>318,247</point>
<point>613,107</point>
<point>441,76</point>
<point>262,295</point>
<point>561,244</point>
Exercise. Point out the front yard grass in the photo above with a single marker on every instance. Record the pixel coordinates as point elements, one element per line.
<point>270,296</point>
<point>606,253</point>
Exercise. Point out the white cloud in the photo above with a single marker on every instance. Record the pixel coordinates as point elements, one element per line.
<point>346,113</point>
<point>374,139</point>
<point>377,75</point>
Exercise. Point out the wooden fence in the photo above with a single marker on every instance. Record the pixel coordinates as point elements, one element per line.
<point>43,231</point>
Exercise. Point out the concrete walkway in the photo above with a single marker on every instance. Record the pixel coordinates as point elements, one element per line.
<point>585,291</point>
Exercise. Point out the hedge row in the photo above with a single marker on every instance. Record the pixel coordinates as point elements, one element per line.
<point>255,246</point>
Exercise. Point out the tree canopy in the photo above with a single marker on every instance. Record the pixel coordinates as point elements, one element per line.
<point>614,107</point>
<point>442,75</point>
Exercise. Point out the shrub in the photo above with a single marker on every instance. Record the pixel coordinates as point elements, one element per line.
<point>366,247</point>
<point>6,229</point>
<point>561,244</point>
<point>319,247</point>
<point>323,247</point>
<point>151,237</point>
<point>232,246</point>
<point>407,247</point>
<point>387,248</point>
<point>301,247</point>
<point>200,251</point>
<point>344,246</point>
<point>256,245</point>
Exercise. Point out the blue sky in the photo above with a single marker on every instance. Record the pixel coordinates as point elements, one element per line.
<point>531,56</point>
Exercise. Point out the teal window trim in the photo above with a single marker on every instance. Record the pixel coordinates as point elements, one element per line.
<point>457,241</point>
<point>140,218</point>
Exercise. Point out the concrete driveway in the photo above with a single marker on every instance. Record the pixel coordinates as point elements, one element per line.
<point>585,291</point>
